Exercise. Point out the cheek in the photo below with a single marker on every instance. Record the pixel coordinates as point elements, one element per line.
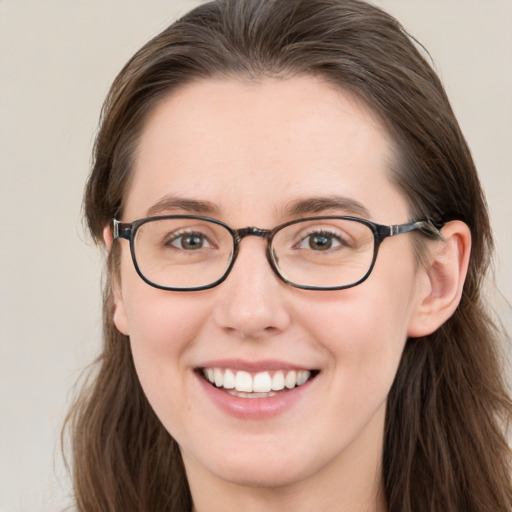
<point>161,333</point>
<point>365,341</point>
<point>158,321</point>
<point>162,329</point>
<point>162,324</point>
<point>364,329</point>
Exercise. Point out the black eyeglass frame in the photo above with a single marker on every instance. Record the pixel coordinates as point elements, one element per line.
<point>128,230</point>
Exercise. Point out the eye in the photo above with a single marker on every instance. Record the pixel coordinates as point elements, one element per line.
<point>320,241</point>
<point>191,241</point>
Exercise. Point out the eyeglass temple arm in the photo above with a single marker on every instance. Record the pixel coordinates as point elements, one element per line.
<point>121,230</point>
<point>427,227</point>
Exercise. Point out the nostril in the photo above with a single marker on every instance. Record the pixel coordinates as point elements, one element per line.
<point>269,330</point>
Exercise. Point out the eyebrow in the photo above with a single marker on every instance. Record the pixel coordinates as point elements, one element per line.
<point>184,204</point>
<point>295,208</point>
<point>323,204</point>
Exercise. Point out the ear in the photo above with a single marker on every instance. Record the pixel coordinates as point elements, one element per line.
<point>443,279</point>
<point>108,237</point>
<point>119,313</point>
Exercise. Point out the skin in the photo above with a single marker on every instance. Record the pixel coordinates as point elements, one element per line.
<point>251,149</point>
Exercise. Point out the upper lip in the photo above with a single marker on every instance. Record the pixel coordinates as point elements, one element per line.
<point>253,366</point>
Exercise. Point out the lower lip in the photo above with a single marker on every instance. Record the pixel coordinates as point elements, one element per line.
<point>254,408</point>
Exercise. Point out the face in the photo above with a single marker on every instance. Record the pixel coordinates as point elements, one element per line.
<point>244,153</point>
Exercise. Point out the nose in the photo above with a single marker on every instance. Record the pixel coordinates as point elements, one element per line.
<point>251,302</point>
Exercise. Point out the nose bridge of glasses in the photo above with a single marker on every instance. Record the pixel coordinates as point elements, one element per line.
<point>252,231</point>
<point>266,234</point>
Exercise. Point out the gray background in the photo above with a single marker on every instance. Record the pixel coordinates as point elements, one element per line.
<point>57,60</point>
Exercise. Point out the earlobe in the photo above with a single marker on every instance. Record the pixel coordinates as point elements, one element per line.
<point>108,238</point>
<point>445,273</point>
<point>119,316</point>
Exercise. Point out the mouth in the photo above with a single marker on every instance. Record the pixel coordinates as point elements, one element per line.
<point>263,384</point>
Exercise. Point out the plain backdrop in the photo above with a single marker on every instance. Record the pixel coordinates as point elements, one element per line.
<point>57,60</point>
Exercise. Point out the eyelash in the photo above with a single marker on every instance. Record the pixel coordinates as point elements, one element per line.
<point>327,234</point>
<point>177,236</point>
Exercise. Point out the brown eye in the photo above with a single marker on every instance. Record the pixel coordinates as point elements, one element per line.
<point>320,242</point>
<point>189,241</point>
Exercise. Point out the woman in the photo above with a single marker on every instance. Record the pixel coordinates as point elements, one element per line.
<point>266,346</point>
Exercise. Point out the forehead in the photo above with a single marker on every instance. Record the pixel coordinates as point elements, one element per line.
<point>268,143</point>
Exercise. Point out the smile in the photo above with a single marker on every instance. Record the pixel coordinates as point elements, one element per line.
<point>263,384</point>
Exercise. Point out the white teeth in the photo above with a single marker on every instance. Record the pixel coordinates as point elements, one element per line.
<point>278,381</point>
<point>218,376</point>
<point>291,379</point>
<point>258,386</point>
<point>243,382</point>
<point>262,383</point>
<point>251,395</point>
<point>229,380</point>
<point>302,377</point>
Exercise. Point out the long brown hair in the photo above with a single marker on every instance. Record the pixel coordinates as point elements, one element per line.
<point>445,442</point>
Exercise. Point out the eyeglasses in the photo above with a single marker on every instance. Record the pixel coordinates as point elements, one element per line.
<point>189,253</point>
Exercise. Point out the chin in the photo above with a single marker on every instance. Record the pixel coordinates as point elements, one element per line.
<point>263,465</point>
<point>261,474</point>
